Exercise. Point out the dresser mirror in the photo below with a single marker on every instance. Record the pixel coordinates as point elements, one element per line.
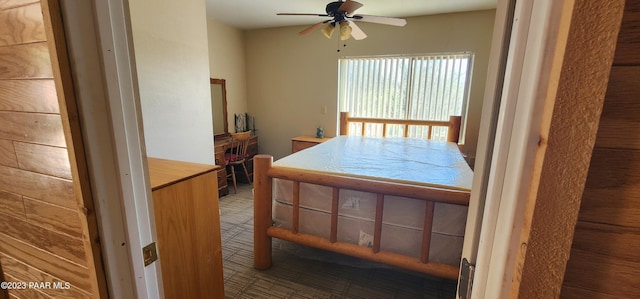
<point>219,108</point>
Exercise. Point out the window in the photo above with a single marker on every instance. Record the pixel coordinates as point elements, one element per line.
<point>424,87</point>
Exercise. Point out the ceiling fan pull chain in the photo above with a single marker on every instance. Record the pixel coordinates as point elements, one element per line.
<point>343,45</point>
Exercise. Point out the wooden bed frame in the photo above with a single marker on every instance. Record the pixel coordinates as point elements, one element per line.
<point>453,125</point>
<point>265,172</point>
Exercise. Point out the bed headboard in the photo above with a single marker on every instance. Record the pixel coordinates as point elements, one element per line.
<point>453,125</point>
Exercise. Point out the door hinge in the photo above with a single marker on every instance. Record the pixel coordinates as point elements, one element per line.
<point>149,254</point>
<point>466,279</point>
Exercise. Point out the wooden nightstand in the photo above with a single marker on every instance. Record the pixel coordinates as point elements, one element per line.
<point>301,142</point>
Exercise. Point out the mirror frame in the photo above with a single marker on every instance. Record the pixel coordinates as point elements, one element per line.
<point>222,82</point>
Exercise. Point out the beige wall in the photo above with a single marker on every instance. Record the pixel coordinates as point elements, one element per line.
<point>226,61</point>
<point>290,78</point>
<point>171,53</point>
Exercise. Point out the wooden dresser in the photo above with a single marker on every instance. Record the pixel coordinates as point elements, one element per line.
<point>301,142</point>
<point>187,216</point>
<point>220,147</point>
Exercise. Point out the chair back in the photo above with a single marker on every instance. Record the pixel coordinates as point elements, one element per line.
<point>238,148</point>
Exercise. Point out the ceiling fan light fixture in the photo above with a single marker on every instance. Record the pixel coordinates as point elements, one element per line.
<point>328,30</point>
<point>345,30</point>
<point>341,13</point>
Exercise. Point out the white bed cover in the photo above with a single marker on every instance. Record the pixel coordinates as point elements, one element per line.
<point>407,160</point>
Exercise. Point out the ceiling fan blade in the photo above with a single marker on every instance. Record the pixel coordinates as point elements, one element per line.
<point>301,14</point>
<point>312,27</point>
<point>356,32</point>
<point>349,6</point>
<point>380,20</point>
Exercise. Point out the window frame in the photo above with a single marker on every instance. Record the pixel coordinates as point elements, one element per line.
<point>470,56</point>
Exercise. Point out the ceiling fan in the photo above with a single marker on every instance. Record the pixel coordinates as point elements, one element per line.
<point>341,14</point>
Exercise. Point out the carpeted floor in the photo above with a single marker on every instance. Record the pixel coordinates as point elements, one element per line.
<point>302,272</point>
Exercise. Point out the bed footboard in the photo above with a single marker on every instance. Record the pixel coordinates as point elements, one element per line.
<point>264,172</point>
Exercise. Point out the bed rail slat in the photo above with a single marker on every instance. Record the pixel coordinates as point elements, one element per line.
<point>460,197</point>
<point>333,237</point>
<point>390,258</point>
<point>377,232</point>
<point>426,231</point>
<point>296,207</point>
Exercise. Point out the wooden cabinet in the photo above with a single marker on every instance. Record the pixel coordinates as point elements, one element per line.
<point>221,146</point>
<point>301,142</point>
<point>185,205</point>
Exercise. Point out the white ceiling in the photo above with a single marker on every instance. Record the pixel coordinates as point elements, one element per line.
<point>252,14</point>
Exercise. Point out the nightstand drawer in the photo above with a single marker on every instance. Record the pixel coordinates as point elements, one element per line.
<point>301,142</point>
<point>300,145</point>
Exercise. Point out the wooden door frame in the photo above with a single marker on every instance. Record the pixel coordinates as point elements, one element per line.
<point>99,37</point>
<point>525,34</point>
<point>496,72</point>
<point>67,100</point>
<point>534,47</point>
<point>543,144</point>
<point>569,124</point>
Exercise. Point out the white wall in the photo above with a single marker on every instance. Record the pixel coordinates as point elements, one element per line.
<point>289,77</point>
<point>172,60</point>
<point>227,61</point>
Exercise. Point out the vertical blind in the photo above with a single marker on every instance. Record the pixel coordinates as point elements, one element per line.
<point>424,87</point>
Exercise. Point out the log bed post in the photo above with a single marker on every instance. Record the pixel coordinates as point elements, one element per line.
<point>262,212</point>
<point>344,123</point>
<point>453,133</point>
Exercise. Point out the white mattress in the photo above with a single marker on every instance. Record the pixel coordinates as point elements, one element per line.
<point>415,161</point>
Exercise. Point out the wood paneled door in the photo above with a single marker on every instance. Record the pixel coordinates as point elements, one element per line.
<point>48,231</point>
<point>605,254</point>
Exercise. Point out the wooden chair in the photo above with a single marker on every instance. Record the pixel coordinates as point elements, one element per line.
<point>237,155</point>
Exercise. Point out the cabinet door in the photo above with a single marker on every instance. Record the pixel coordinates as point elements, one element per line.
<point>189,246</point>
